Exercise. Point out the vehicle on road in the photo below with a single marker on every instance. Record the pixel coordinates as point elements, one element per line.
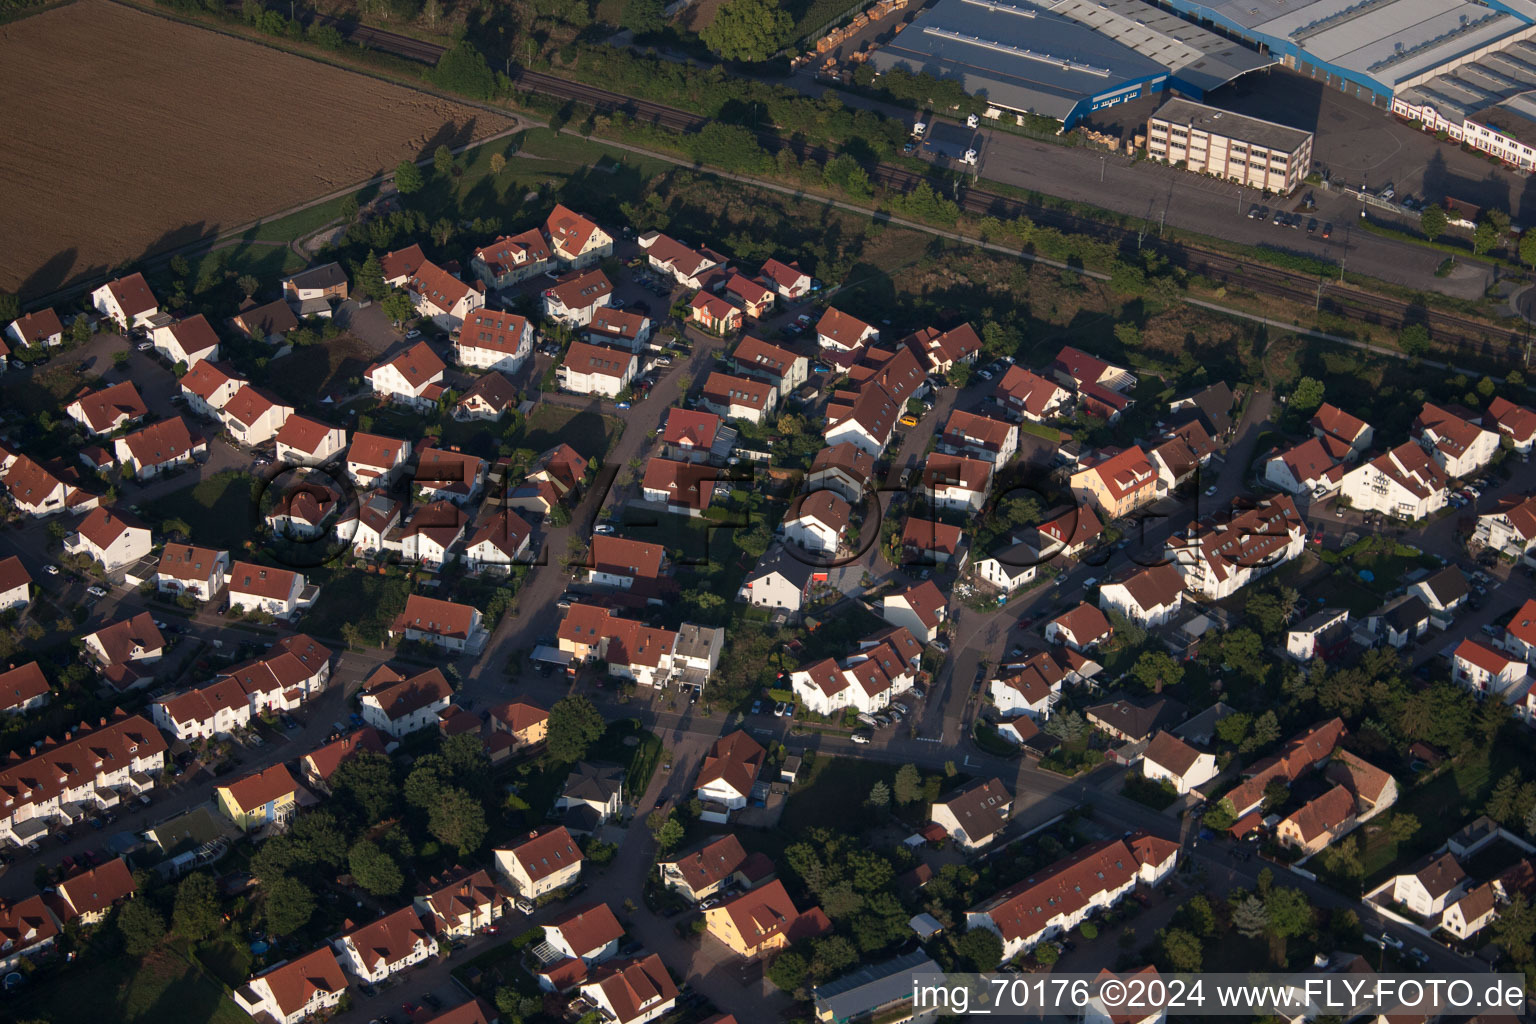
<point>412,333</point>
<point>624,405</point>
<point>757,707</point>
<point>96,592</point>
<point>604,528</point>
<point>51,570</point>
<point>861,737</point>
<point>909,421</point>
<point>1327,230</point>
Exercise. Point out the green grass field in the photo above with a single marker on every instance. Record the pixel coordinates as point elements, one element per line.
<point>368,601</point>
<point>219,510</point>
<point>831,794</point>
<point>164,989</point>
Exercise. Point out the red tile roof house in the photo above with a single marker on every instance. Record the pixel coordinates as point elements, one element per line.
<point>23,689</point>
<point>116,644</point>
<point>541,863</point>
<point>1030,396</point>
<point>498,542</point>
<point>1456,442</point>
<point>1148,597</point>
<point>1305,471</point>
<point>589,933</point>
<point>619,328</point>
<point>1346,437</point>
<point>864,418</point>
<point>817,522</point>
<point>729,772</point>
<point>1032,687</point>
<point>454,627</point>
<point>787,279</point>
<point>512,258</point>
<point>91,767</point>
<point>974,815</point>
<point>112,538</point>
<point>1485,671</point>
<point>42,490</point>
<point>127,301</point>
<point>365,526</point>
<point>846,469</point>
<point>739,398</point>
<point>619,562</point>
<point>441,297</point>
<point>575,238</point>
<point>159,448</point>
<point>754,299</point>
<point>1184,767</point>
<point>1515,422</point>
<point>449,475</point>
<point>955,482</point>
<point>253,416</point>
<point>208,388</point>
<point>397,706</point>
<point>690,435</point>
<point>27,931</point>
<point>490,397</point>
<point>1080,628</point>
<point>927,542</point>
<point>375,461</point>
<point>762,920</point>
<point>281,593</point>
<point>939,351</point>
<point>839,332</point>
<point>269,323</point>
<point>489,340</point>
<point>294,990</point>
<point>688,267</point>
<point>596,370</point>
<point>320,764</point>
<point>386,946</point>
<point>102,412</point>
<point>218,709</point>
<point>40,327</point>
<point>186,342</point>
<point>685,488</point>
<point>631,991</point>
<point>713,313</point>
<point>1221,555</point>
<point>702,872</point>
<point>413,378</point>
<point>979,437</point>
<point>304,512</point>
<point>575,299</point>
<point>1404,483</point>
<point>308,442</point>
<point>1060,897</point>
<point>787,370</point>
<point>921,609</point>
<point>87,898</point>
<point>464,903</point>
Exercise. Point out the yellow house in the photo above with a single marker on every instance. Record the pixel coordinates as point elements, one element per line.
<point>259,799</point>
<point>762,920</point>
<point>1118,486</point>
<point>527,724</point>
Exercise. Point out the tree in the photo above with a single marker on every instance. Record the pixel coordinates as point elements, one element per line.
<point>287,904</point>
<point>665,829</point>
<point>374,870</point>
<point>1233,729</point>
<point>141,926</point>
<point>1343,858</point>
<point>1528,248</point>
<point>788,971</point>
<point>1181,950</point>
<point>463,69</point>
<point>644,17</point>
<point>1433,222</point>
<point>1307,395</point>
<point>442,160</point>
<point>408,178</point>
<point>1265,611</point>
<point>1290,916</point>
<point>1414,340</point>
<point>1484,237</point>
<point>879,795</point>
<point>458,819</point>
<point>574,725</point>
<point>366,782</point>
<point>249,284</point>
<point>1250,918</point>
<point>368,283</point>
<point>498,163</point>
<point>80,330</point>
<point>195,915</point>
<point>982,948</point>
<point>748,30</point>
<point>397,305</point>
<point>1128,334</point>
<point>10,306</point>
<point>1403,826</point>
<point>909,784</point>
<point>1514,929</point>
<point>1157,669</point>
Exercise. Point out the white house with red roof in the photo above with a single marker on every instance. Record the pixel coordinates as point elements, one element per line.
<point>375,461</point>
<point>922,610</point>
<point>1148,596</point>
<point>461,904</point>
<point>1345,436</point>
<point>385,947</point>
<point>302,441</point>
<point>1119,484</point>
<point>728,775</point>
<point>186,342</point>
<point>498,542</point>
<point>787,370</point>
<point>620,328</point>
<point>127,301</point>
<point>1305,471</point>
<point>441,297</point>
<point>541,863</point>
<point>413,378</point>
<point>23,688</point>
<point>40,490</point>
<point>713,313</point>
<point>689,267</point>
<point>979,437</point>
<point>575,299</point>
<point>109,409</point>
<point>159,448</point>
<point>1220,555</point>
<point>489,340</point>
<point>739,398</point>
<point>39,327</point>
<point>787,279</point>
<point>632,991</point>
<point>1485,671</point>
<point>1075,367</point>
<point>683,488</point>
<point>1457,444</point>
<point>295,990</point>
<point>836,331</point>
<point>111,538</point>
<point>15,584</point>
<point>1404,482</point>
<point>193,570</point>
<point>209,386</point>
<point>755,300</point>
<point>597,370</point>
<point>254,416</point>
<point>1515,422</point>
<point>816,522</point>
<point>576,239</point>
<point>1184,767</point>
<point>1510,528</point>
<point>398,706</point>
<point>512,258</point>
<point>447,474</point>
<point>940,351</point>
<point>692,435</point>
<point>1081,628</point>
<point>1029,396</point>
<point>456,627</point>
<point>865,418</point>
<point>955,482</point>
<point>281,593</point>
<point>590,933</point>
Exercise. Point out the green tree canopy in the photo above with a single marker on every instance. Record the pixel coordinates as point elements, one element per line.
<point>1307,395</point>
<point>374,870</point>
<point>195,915</point>
<point>458,820</point>
<point>574,725</point>
<point>287,904</point>
<point>748,30</point>
<point>1433,222</point>
<point>365,783</point>
<point>141,926</point>
<point>408,178</point>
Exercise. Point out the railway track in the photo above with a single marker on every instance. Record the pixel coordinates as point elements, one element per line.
<point>1464,334</point>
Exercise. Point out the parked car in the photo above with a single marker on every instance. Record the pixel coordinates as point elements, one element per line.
<point>96,592</point>
<point>861,737</point>
<point>757,707</point>
<point>604,528</point>
<point>51,570</point>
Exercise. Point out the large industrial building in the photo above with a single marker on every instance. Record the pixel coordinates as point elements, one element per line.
<point>1372,49</point>
<point>1067,58</point>
<point>1259,154</point>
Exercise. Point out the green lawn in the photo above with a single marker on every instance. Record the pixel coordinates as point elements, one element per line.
<point>163,989</point>
<point>220,510</point>
<point>1443,805</point>
<point>831,794</point>
<point>305,375</point>
<point>590,433</point>
<point>367,600</point>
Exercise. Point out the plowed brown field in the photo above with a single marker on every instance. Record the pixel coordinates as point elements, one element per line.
<point>127,134</point>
